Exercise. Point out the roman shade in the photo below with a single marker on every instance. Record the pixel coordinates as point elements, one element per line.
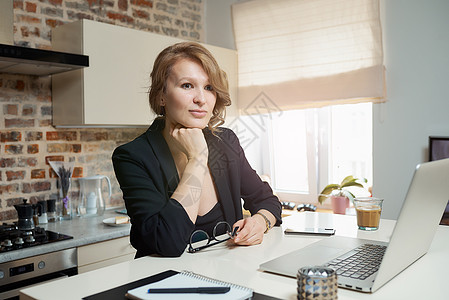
<point>296,54</point>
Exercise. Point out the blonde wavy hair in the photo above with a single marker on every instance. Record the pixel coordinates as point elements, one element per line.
<point>217,77</point>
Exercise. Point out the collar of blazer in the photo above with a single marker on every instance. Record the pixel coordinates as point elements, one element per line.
<point>163,154</point>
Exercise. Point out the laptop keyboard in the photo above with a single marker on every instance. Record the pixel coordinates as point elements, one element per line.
<point>360,262</point>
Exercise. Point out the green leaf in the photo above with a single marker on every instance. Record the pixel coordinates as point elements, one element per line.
<point>347,180</point>
<point>322,198</point>
<point>352,183</point>
<point>329,188</point>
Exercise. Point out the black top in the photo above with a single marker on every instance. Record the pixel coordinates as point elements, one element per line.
<point>209,220</point>
<point>148,177</point>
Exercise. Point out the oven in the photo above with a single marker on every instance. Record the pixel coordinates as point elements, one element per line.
<point>17,274</point>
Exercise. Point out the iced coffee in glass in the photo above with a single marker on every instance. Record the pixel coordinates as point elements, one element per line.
<point>368,210</point>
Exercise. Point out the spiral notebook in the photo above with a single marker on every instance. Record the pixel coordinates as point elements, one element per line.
<point>187,279</point>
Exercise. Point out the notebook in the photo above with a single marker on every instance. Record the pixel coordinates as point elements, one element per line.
<point>415,228</point>
<point>186,279</point>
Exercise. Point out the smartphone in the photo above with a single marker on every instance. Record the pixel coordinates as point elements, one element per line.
<point>310,231</point>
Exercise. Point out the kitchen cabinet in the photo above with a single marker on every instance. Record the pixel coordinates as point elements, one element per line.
<point>113,90</point>
<point>102,254</point>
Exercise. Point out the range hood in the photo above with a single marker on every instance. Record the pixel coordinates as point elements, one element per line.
<point>22,60</point>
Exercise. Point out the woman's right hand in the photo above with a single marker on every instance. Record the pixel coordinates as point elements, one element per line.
<point>190,141</point>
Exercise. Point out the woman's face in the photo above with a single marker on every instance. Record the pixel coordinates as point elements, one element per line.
<point>189,98</point>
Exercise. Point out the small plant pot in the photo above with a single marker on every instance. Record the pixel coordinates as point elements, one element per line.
<point>339,204</point>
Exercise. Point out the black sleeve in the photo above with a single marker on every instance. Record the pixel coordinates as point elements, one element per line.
<point>257,194</point>
<point>160,225</point>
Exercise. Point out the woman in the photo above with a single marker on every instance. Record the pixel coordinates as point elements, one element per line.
<point>184,173</point>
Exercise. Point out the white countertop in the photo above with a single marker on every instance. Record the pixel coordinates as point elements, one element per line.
<point>424,279</point>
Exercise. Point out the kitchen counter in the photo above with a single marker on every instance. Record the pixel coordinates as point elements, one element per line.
<point>85,231</point>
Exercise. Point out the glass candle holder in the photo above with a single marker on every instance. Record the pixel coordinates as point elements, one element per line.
<point>317,282</point>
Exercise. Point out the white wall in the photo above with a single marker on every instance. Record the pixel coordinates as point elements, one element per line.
<point>416,47</point>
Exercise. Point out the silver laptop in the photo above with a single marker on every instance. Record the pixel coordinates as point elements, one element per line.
<point>415,228</point>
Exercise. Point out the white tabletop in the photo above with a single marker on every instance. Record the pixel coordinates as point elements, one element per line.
<point>425,279</point>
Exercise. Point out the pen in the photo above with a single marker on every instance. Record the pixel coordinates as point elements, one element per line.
<point>197,290</point>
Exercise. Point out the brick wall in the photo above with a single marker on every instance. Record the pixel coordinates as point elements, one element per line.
<point>27,138</point>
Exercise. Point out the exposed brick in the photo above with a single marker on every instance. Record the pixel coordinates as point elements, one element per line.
<point>93,2</point>
<point>162,19</point>
<point>46,110</point>
<point>53,22</point>
<point>73,15</point>
<point>53,158</point>
<point>34,136</point>
<point>20,85</point>
<point>14,149</point>
<point>26,188</point>
<point>43,98</point>
<point>35,199</point>
<point>26,32</point>
<point>52,12</point>
<point>18,4</point>
<point>90,136</point>
<point>29,19</point>
<point>76,148</point>
<point>38,174</point>
<point>10,109</point>
<point>26,162</point>
<point>41,186</point>
<point>77,172</point>
<point>61,135</point>
<point>55,148</point>
<point>10,214</point>
<point>91,147</point>
<point>166,8</point>
<point>33,149</point>
<point>123,5</point>
<point>15,175</point>
<point>120,17</point>
<point>55,2</point>
<point>11,136</point>
<point>45,123</point>
<point>142,3</point>
<point>137,13</point>
<point>7,162</point>
<point>9,188</point>
<point>28,110</point>
<point>30,7</point>
<point>12,123</point>
<point>58,148</point>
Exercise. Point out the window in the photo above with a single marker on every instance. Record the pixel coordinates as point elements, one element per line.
<point>309,72</point>
<point>304,150</point>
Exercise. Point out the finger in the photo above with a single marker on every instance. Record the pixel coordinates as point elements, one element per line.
<point>244,232</point>
<point>251,240</point>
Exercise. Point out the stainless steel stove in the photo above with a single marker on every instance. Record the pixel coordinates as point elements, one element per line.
<point>21,273</point>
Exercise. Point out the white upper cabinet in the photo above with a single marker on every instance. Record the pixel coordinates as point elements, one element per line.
<point>113,90</point>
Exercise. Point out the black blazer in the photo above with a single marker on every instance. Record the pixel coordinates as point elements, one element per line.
<point>148,177</point>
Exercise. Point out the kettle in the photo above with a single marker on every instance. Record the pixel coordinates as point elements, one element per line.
<point>91,201</point>
<point>25,213</point>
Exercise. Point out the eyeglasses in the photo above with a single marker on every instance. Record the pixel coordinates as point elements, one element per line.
<point>222,232</point>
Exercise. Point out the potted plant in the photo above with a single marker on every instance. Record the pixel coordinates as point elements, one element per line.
<point>339,195</point>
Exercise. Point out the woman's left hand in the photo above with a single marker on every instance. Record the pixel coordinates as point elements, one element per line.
<point>251,230</point>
